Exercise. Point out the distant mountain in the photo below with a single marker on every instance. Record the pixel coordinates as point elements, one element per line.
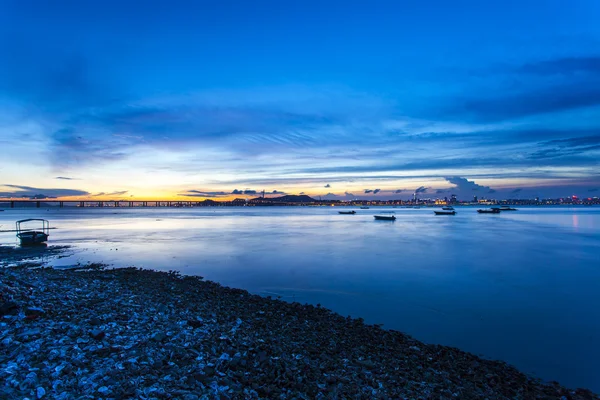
<point>290,198</point>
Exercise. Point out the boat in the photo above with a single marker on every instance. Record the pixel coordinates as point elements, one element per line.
<point>489,211</point>
<point>507,208</point>
<point>384,217</point>
<point>445,212</point>
<point>448,208</point>
<point>364,207</point>
<point>347,212</point>
<point>29,236</point>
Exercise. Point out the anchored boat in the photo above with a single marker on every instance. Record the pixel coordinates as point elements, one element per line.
<point>489,211</point>
<point>347,212</point>
<point>29,236</point>
<point>445,212</point>
<point>384,217</point>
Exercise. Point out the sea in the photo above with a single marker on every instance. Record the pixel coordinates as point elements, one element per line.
<point>520,286</point>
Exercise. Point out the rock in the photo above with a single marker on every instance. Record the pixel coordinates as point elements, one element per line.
<point>40,392</point>
<point>158,336</point>
<point>103,390</point>
<point>34,311</point>
<point>97,334</point>
<point>94,321</point>
<point>9,308</point>
<point>194,323</point>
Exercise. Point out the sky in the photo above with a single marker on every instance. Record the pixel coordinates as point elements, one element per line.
<point>340,99</point>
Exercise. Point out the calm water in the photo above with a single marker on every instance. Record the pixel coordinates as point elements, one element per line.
<point>523,287</point>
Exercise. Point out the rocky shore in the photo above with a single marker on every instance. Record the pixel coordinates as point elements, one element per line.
<point>125,333</point>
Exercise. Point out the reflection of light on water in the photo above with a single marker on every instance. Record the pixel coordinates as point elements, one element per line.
<point>575,221</point>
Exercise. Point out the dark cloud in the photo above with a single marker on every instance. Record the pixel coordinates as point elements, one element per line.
<point>376,191</point>
<point>491,191</point>
<point>398,191</point>
<point>118,193</point>
<point>440,191</point>
<point>517,190</point>
<point>66,178</point>
<point>327,186</point>
<point>567,147</point>
<point>39,193</point>
<point>201,193</point>
<point>245,191</point>
<point>552,99</point>
<point>368,191</point>
<point>302,193</point>
<point>348,194</point>
<point>421,189</point>
<point>563,66</point>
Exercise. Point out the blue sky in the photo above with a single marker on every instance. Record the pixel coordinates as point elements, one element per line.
<point>347,98</point>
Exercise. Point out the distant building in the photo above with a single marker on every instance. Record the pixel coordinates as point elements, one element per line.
<point>474,199</point>
<point>453,199</point>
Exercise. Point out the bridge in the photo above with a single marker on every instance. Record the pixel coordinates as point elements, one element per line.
<point>112,203</point>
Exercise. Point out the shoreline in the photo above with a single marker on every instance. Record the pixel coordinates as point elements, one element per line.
<point>129,332</point>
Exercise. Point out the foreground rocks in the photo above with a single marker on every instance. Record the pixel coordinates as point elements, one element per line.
<point>131,333</point>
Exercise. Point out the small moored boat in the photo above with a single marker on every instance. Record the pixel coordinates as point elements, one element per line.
<point>445,212</point>
<point>507,208</point>
<point>364,207</point>
<point>384,217</point>
<point>347,212</point>
<point>489,211</point>
<point>29,236</point>
<point>448,208</point>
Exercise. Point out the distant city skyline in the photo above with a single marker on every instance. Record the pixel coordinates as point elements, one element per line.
<point>343,100</point>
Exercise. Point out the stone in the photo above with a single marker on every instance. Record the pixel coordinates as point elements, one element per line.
<point>97,334</point>
<point>9,308</point>
<point>34,311</point>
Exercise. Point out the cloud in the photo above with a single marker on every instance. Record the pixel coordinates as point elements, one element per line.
<point>327,186</point>
<point>119,193</point>
<point>491,191</point>
<point>398,191</point>
<point>421,189</point>
<point>39,193</point>
<point>368,191</point>
<point>563,66</point>
<point>376,191</point>
<point>66,178</point>
<point>567,147</point>
<point>440,191</point>
<point>302,193</point>
<point>516,190</point>
<point>202,193</point>
<point>463,184</point>
<point>348,194</point>
<point>245,191</point>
